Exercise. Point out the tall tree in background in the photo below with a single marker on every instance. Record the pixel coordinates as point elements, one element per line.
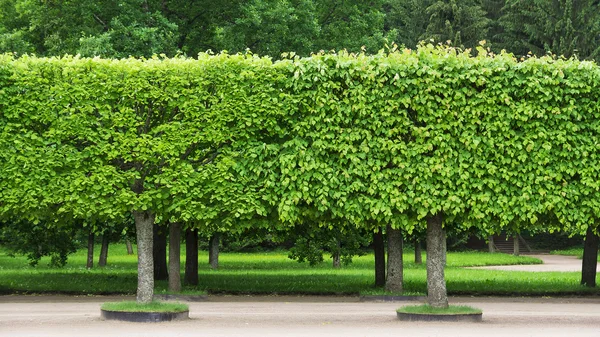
<point>562,27</point>
<point>406,21</point>
<point>462,22</point>
<point>494,10</point>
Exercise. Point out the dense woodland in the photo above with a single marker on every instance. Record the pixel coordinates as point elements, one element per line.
<point>123,28</point>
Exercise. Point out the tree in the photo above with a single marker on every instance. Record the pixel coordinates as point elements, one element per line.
<point>133,142</point>
<point>462,22</point>
<point>407,21</point>
<point>564,27</point>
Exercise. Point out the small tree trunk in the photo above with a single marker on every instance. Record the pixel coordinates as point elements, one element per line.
<point>395,264</point>
<point>103,251</point>
<point>129,247</point>
<point>437,295</point>
<point>160,253</point>
<point>379,249</point>
<point>213,251</point>
<point>337,263</point>
<point>418,255</point>
<point>491,247</point>
<point>590,259</point>
<point>144,220</point>
<point>90,251</point>
<point>175,257</point>
<point>191,257</point>
<point>516,250</point>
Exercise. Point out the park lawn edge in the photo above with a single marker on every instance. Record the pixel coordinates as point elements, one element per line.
<point>155,306</point>
<point>426,309</point>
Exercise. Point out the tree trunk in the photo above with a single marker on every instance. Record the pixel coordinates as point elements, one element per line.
<point>175,257</point>
<point>129,247</point>
<point>213,250</point>
<point>379,249</point>
<point>337,263</point>
<point>491,247</point>
<point>144,220</point>
<point>516,247</point>
<point>590,259</point>
<point>437,295</point>
<point>103,251</point>
<point>191,257</point>
<point>418,255</point>
<point>90,251</point>
<point>160,253</point>
<point>395,264</point>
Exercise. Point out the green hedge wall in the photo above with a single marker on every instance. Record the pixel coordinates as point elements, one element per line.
<point>487,140</point>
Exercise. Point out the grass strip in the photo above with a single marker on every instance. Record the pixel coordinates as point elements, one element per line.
<point>132,306</point>
<point>426,309</point>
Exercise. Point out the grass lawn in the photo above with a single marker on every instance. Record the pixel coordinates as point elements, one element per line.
<point>273,272</point>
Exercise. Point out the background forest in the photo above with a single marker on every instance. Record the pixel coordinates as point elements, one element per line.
<point>141,28</point>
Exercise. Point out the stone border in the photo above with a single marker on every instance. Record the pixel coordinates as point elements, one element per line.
<point>476,317</point>
<point>144,317</point>
<point>390,298</point>
<point>187,298</point>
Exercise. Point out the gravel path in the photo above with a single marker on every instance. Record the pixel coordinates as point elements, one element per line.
<point>551,263</point>
<point>299,316</point>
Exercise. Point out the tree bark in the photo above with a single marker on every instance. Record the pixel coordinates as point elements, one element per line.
<point>213,250</point>
<point>590,259</point>
<point>103,251</point>
<point>191,257</point>
<point>418,255</point>
<point>395,268</point>
<point>379,249</point>
<point>175,257</point>
<point>437,295</point>
<point>160,253</point>
<point>491,247</point>
<point>90,251</point>
<point>516,247</point>
<point>129,247</point>
<point>144,220</point>
<point>337,263</point>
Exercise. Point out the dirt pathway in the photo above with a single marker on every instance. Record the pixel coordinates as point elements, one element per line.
<point>551,263</point>
<point>299,316</point>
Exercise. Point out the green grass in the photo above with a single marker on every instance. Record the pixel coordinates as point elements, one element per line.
<point>131,306</point>
<point>575,251</point>
<point>274,273</point>
<point>427,309</point>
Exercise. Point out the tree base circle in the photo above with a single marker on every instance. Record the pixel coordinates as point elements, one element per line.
<point>428,317</point>
<point>144,317</point>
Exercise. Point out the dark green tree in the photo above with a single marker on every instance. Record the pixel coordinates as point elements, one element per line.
<point>462,22</point>
<point>561,27</point>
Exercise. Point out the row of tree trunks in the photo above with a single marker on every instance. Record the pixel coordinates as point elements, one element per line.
<point>90,251</point>
<point>175,257</point>
<point>590,258</point>
<point>395,267</point>
<point>379,250</point>
<point>213,250</point>
<point>418,255</point>
<point>160,253</point>
<point>191,258</point>
<point>103,251</point>
<point>437,295</point>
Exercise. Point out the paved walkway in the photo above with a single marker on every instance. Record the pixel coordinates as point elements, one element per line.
<point>551,263</point>
<point>54,316</point>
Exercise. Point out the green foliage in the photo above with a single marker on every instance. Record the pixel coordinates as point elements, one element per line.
<point>38,240</point>
<point>565,27</point>
<point>462,22</point>
<point>311,241</point>
<point>151,307</point>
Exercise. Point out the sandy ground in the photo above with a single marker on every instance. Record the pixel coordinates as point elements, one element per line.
<point>300,316</point>
<point>551,263</point>
<point>264,316</point>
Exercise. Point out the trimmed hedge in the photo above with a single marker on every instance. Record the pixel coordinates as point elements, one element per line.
<point>487,140</point>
